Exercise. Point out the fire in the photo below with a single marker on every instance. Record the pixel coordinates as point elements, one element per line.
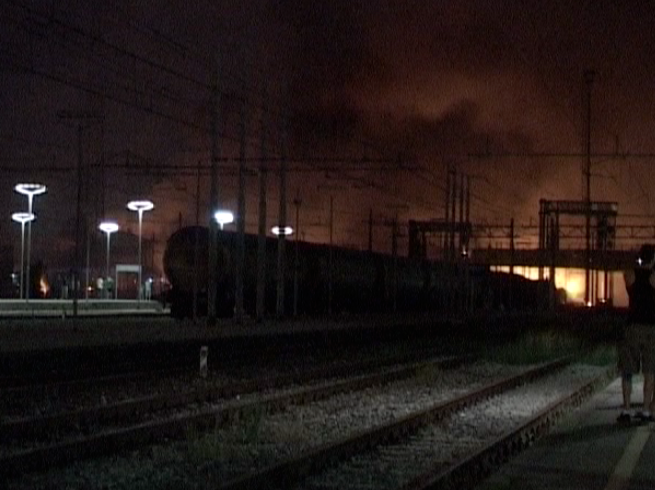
<point>44,287</point>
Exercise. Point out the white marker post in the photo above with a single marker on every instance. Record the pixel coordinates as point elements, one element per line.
<point>204,351</point>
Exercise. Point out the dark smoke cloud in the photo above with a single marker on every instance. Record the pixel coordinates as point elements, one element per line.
<point>431,83</point>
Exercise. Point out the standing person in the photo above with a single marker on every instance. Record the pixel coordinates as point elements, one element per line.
<point>640,332</point>
<point>628,365</point>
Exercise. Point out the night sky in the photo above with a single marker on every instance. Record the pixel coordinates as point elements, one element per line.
<point>371,102</point>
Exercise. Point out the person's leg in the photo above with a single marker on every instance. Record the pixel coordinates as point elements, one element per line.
<point>626,389</point>
<point>627,364</point>
<point>649,386</point>
<point>648,369</point>
<point>625,416</point>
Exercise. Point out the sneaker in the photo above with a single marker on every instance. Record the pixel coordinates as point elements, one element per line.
<point>645,417</point>
<point>623,418</point>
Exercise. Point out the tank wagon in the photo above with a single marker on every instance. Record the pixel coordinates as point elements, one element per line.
<point>329,279</point>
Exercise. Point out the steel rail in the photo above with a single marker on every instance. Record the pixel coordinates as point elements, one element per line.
<point>291,471</point>
<point>475,467</point>
<point>175,427</point>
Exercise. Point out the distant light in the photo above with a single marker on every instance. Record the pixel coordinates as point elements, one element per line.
<point>140,205</point>
<point>287,230</point>
<point>589,304</point>
<point>108,226</point>
<point>223,217</point>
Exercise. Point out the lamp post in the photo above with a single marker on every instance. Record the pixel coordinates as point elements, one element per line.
<point>223,217</point>
<point>140,207</point>
<point>30,190</point>
<point>22,218</point>
<point>296,263</point>
<point>108,227</point>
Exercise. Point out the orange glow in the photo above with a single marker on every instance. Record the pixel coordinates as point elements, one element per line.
<point>573,282</point>
<point>44,287</point>
<point>574,287</point>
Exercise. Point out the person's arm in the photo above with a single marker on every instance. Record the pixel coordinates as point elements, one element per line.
<point>630,277</point>
<point>651,279</point>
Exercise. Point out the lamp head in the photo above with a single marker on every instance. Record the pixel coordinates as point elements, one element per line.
<point>286,230</point>
<point>108,227</point>
<point>142,205</point>
<point>23,218</point>
<point>30,189</point>
<point>223,217</point>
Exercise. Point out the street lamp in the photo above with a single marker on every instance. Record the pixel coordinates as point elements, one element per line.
<point>286,230</point>
<point>30,190</point>
<point>22,218</point>
<point>223,217</point>
<point>108,227</point>
<point>140,207</point>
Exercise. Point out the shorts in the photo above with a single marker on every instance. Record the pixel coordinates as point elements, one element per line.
<point>640,338</point>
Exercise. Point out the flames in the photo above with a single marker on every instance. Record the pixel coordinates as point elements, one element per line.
<point>44,287</point>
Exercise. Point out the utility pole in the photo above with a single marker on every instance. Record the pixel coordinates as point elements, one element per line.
<point>196,247</point>
<point>296,202</point>
<point>80,117</point>
<point>370,230</point>
<point>282,224</point>
<point>510,301</point>
<point>394,253</point>
<point>461,216</point>
<point>78,222</point>
<point>395,234</point>
<point>446,241</point>
<point>331,188</point>
<point>241,219</point>
<point>330,256</point>
<point>261,232</point>
<point>589,76</point>
<point>453,210</point>
<point>213,202</point>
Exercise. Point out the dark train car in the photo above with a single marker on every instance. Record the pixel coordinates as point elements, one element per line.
<point>337,280</point>
<point>503,291</point>
<point>7,286</point>
<point>328,278</point>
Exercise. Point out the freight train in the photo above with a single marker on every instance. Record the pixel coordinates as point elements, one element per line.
<point>320,279</point>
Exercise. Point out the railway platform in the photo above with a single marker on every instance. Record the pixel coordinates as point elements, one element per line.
<point>26,334</point>
<point>587,450</point>
<point>62,308</point>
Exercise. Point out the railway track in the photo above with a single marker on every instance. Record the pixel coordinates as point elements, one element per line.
<point>297,442</point>
<point>355,447</point>
<point>39,405</point>
<point>33,444</point>
<point>459,450</point>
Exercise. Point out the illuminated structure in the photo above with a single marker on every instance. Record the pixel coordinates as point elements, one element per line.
<point>30,190</point>
<point>286,230</point>
<point>140,207</point>
<point>22,218</point>
<point>223,217</point>
<point>108,227</point>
